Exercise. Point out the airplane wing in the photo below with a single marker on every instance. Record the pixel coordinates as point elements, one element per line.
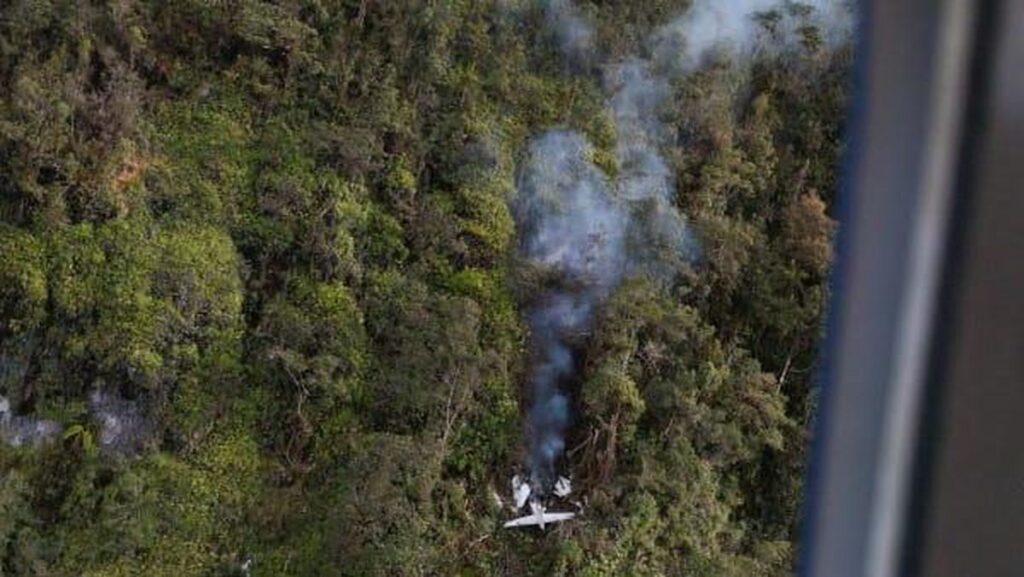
<point>539,519</point>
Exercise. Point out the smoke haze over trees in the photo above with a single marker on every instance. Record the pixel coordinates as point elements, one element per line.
<point>278,279</point>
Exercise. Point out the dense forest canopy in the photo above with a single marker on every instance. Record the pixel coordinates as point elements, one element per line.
<point>264,303</point>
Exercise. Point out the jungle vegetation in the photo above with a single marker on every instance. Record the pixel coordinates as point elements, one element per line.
<point>281,231</point>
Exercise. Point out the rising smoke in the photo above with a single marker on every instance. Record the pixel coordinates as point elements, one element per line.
<point>591,232</point>
<point>122,426</point>
<point>17,430</point>
<point>570,225</point>
<point>574,33</point>
<point>728,28</point>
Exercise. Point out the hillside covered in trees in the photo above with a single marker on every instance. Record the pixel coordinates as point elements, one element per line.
<point>263,305</point>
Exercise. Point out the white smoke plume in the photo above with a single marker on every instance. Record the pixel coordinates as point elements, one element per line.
<point>658,231</point>
<point>122,429</point>
<point>591,231</point>
<point>17,430</point>
<point>570,225</point>
<point>730,28</point>
<point>574,33</point>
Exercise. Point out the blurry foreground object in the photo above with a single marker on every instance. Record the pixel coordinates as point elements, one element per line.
<point>918,467</point>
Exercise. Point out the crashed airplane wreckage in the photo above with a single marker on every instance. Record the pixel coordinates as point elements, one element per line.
<point>524,494</point>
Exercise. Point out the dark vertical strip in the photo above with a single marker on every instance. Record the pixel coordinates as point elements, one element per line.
<point>856,127</point>
<point>931,431</point>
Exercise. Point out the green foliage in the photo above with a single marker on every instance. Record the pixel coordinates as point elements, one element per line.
<point>429,360</point>
<point>282,229</point>
<point>26,552</point>
<point>203,163</point>
<point>101,279</point>
<point>22,282</point>
<point>312,349</point>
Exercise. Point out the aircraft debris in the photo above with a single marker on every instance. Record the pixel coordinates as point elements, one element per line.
<point>523,493</point>
<point>563,487</point>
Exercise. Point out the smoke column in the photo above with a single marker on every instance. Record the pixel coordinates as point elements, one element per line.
<point>574,34</point>
<point>572,227</point>
<point>589,232</point>
<point>712,27</point>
